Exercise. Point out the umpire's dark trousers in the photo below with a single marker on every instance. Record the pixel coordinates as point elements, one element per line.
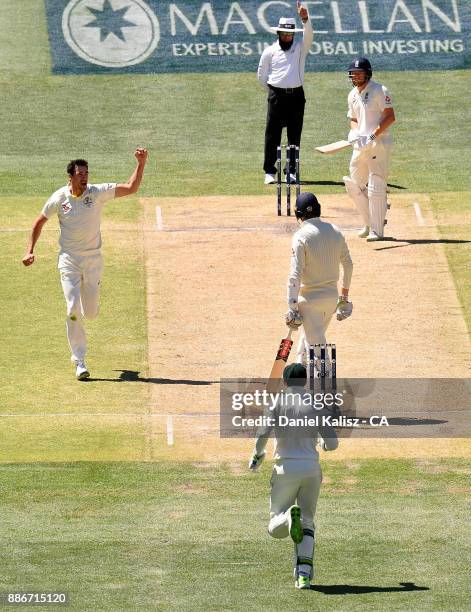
<point>285,109</point>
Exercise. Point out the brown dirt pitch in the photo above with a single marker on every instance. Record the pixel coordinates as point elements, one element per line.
<point>216,281</point>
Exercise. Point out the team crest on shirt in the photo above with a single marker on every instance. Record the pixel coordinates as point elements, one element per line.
<point>87,202</point>
<point>66,206</point>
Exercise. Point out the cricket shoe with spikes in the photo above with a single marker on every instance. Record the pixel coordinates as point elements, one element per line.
<point>303,582</point>
<point>294,524</point>
<point>373,237</point>
<point>82,373</point>
<point>364,232</point>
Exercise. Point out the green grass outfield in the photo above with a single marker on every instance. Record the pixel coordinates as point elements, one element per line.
<point>120,536</point>
<point>204,132</point>
<point>135,535</point>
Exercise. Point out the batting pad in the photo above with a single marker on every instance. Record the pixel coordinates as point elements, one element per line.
<point>378,202</point>
<point>359,198</point>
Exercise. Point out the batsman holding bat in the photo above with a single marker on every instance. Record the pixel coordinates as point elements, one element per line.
<point>318,251</point>
<point>371,113</point>
<point>78,207</point>
<point>297,475</point>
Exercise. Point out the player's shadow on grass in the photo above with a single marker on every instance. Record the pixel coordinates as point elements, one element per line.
<point>355,589</point>
<point>404,422</point>
<point>133,376</point>
<point>341,183</point>
<point>410,242</point>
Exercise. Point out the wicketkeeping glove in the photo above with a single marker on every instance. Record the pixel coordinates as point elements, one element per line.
<point>256,461</point>
<point>344,308</point>
<point>293,319</point>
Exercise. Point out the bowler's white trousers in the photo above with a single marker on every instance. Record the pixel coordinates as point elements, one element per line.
<point>316,307</point>
<point>295,482</point>
<point>80,279</point>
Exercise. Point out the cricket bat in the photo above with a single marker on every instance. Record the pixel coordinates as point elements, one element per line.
<point>336,146</point>
<point>280,361</point>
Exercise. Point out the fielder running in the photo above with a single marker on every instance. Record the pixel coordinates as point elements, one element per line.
<point>297,475</point>
<point>318,250</point>
<point>371,113</point>
<point>79,206</point>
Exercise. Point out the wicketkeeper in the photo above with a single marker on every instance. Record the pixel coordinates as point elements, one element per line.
<point>297,474</point>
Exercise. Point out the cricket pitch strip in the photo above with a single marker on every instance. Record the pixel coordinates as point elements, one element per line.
<point>216,282</point>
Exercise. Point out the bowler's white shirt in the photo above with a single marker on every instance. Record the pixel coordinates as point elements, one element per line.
<point>367,107</point>
<point>285,68</point>
<point>79,218</point>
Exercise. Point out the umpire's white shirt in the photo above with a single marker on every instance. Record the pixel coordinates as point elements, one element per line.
<point>285,68</point>
<point>367,107</point>
<point>318,250</point>
<point>79,218</point>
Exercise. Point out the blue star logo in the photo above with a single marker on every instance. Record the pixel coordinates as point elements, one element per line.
<point>110,21</point>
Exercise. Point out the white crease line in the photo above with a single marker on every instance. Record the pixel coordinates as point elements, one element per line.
<point>170,430</point>
<point>158,217</point>
<point>160,415</point>
<point>418,214</point>
<point>223,229</point>
<point>111,414</point>
<point>266,228</point>
<point>14,229</point>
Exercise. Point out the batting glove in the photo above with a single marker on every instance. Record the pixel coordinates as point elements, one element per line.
<point>344,308</point>
<point>293,318</point>
<point>256,461</point>
<point>364,142</point>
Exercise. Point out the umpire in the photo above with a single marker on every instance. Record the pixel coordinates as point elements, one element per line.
<point>281,73</point>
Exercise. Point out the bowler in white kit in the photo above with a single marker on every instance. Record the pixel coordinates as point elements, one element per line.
<point>78,206</point>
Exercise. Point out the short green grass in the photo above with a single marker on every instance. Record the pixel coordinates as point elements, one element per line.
<point>35,367</point>
<point>204,132</point>
<point>127,536</point>
<point>453,212</point>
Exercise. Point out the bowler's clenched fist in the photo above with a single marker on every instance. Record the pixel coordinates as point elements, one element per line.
<point>28,259</point>
<point>141,155</point>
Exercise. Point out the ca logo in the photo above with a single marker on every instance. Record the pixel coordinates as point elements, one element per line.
<point>111,33</point>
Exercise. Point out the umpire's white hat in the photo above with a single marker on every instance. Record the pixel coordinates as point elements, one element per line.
<point>287,24</point>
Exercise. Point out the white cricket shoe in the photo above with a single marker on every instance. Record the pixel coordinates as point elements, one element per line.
<point>81,372</point>
<point>364,232</point>
<point>373,237</point>
<point>269,179</point>
<point>292,178</point>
